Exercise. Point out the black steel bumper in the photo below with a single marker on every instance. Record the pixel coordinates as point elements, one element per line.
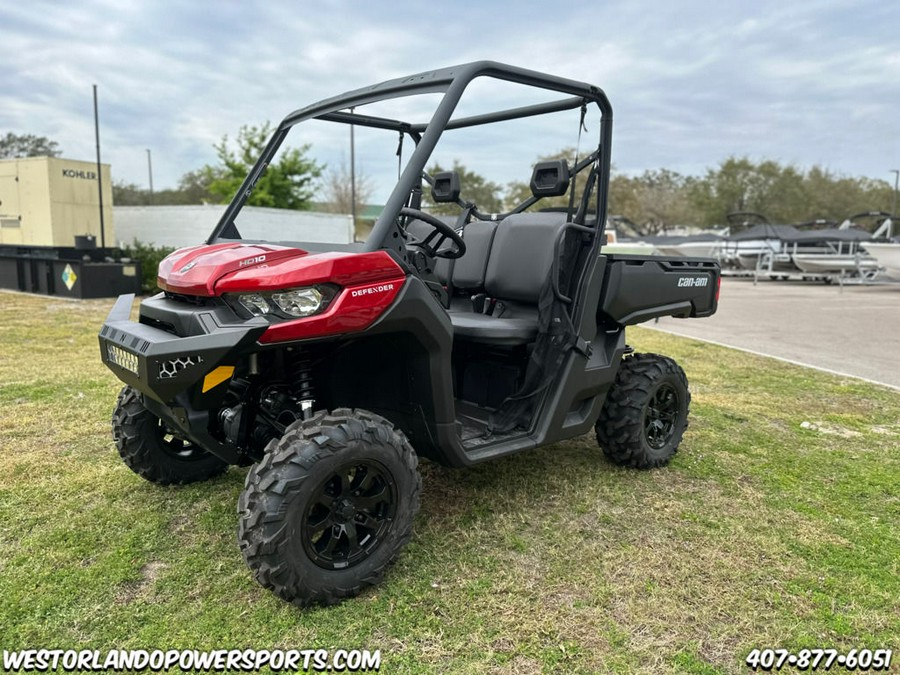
<point>182,379</point>
<point>162,365</point>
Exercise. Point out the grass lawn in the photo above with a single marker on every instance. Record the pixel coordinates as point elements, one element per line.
<point>763,532</point>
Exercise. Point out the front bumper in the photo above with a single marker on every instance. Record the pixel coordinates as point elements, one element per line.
<point>167,367</point>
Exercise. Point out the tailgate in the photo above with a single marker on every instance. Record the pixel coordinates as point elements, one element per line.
<point>638,288</point>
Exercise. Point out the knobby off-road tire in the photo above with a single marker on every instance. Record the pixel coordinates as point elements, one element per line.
<point>329,506</point>
<point>152,452</point>
<point>645,413</point>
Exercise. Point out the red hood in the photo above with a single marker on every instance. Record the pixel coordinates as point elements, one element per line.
<point>241,268</point>
<point>195,271</point>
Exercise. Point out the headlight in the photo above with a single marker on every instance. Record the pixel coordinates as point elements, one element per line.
<point>299,302</point>
<point>254,303</point>
<point>293,303</point>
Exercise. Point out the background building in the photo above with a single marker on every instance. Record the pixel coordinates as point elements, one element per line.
<point>49,201</point>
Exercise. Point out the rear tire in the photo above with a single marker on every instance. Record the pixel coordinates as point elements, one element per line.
<point>150,450</point>
<point>645,413</point>
<point>329,506</point>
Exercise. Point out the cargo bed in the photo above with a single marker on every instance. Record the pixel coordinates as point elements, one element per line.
<point>637,288</point>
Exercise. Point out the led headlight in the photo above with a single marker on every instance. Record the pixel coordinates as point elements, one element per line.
<point>254,303</point>
<point>292,303</point>
<point>298,302</point>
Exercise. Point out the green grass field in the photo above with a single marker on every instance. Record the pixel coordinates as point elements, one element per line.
<point>763,532</point>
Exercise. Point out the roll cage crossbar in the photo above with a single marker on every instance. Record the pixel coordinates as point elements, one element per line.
<point>452,82</point>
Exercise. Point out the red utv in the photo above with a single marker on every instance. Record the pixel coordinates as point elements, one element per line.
<point>330,370</point>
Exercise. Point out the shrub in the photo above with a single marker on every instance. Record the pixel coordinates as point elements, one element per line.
<point>149,257</point>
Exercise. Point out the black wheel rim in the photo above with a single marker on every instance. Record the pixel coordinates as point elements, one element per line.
<point>176,447</point>
<point>349,515</point>
<point>661,416</point>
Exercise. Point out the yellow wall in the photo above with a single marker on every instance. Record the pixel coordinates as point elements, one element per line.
<point>34,201</point>
<point>10,226</point>
<point>55,199</point>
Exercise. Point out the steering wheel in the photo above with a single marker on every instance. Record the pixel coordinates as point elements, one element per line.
<point>442,231</point>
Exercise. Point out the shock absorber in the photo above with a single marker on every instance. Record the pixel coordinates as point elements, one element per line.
<point>302,384</point>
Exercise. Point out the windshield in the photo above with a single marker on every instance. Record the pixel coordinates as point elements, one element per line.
<point>345,171</point>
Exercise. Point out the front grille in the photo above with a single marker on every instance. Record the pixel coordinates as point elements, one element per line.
<point>122,358</point>
<point>157,323</point>
<point>190,299</point>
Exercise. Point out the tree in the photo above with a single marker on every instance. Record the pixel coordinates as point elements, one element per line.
<point>662,200</point>
<point>473,188</point>
<point>782,193</point>
<point>129,194</point>
<point>727,189</point>
<point>193,188</point>
<point>338,192</point>
<point>190,190</point>
<point>624,196</point>
<point>738,184</point>
<point>27,145</point>
<point>839,197</point>
<point>286,183</point>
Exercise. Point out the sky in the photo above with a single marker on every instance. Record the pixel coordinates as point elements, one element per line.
<point>691,83</point>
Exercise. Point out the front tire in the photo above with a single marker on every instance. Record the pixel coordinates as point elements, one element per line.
<point>645,413</point>
<point>150,449</point>
<point>329,506</point>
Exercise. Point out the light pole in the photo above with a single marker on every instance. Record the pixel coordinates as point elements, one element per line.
<point>150,174</point>
<point>99,170</point>
<point>896,173</point>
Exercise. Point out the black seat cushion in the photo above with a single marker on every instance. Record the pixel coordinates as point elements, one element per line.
<point>494,330</point>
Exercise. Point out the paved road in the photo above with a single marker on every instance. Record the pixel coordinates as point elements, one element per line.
<point>854,332</point>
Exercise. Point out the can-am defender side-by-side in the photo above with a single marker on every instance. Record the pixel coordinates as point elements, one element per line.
<point>331,370</point>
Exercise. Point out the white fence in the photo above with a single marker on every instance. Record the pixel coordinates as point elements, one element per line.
<point>181,226</point>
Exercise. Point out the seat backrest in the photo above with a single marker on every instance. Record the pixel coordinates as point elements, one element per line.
<point>522,255</point>
<point>469,270</point>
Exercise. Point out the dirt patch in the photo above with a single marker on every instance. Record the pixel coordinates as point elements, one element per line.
<point>133,590</point>
<point>830,429</point>
<point>520,665</point>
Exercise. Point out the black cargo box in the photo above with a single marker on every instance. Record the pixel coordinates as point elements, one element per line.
<point>638,288</point>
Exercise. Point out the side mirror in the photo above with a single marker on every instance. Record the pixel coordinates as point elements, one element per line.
<point>550,179</point>
<point>446,187</point>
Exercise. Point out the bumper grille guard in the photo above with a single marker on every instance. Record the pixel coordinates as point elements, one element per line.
<point>172,367</point>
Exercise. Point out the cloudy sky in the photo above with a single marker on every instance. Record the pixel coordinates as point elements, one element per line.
<point>691,82</point>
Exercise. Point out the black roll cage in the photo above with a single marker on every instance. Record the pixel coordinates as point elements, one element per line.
<point>452,82</point>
